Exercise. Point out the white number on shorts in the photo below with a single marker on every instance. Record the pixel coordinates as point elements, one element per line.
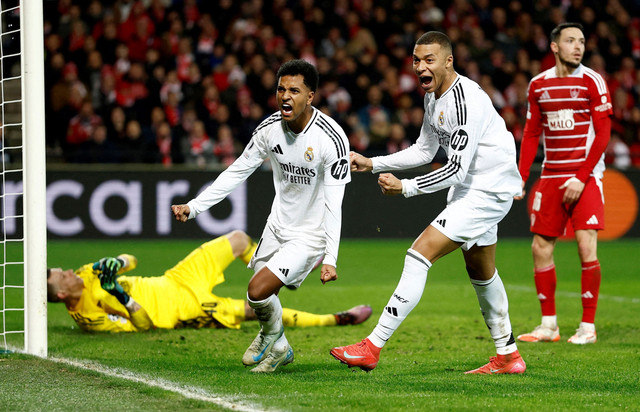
<point>537,199</point>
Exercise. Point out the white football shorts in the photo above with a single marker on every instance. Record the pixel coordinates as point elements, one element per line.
<point>290,260</point>
<point>472,217</point>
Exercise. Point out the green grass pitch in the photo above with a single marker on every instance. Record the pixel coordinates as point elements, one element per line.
<point>421,368</point>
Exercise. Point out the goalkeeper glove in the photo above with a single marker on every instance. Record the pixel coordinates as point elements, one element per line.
<point>107,269</point>
<point>109,266</point>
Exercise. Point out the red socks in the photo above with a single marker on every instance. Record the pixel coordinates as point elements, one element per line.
<point>591,277</point>
<point>545,280</point>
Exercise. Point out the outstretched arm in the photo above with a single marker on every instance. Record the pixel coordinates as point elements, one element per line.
<point>359,163</point>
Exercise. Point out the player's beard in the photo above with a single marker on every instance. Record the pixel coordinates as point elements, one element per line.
<point>569,63</point>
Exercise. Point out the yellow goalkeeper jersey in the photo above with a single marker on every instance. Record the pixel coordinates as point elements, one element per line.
<point>180,298</point>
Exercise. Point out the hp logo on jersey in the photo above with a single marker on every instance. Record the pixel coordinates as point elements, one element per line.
<point>340,169</point>
<point>459,140</point>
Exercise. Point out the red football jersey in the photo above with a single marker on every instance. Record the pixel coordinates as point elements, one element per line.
<point>567,112</point>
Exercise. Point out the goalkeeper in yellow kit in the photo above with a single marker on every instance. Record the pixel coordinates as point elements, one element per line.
<point>98,299</point>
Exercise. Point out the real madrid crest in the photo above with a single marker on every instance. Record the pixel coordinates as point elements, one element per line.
<point>308,155</point>
<point>441,119</point>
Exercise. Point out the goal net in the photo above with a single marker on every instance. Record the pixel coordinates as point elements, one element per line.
<point>23,309</point>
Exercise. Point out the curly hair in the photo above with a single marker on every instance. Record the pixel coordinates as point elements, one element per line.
<point>302,67</point>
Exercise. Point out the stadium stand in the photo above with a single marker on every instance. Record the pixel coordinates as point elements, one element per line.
<point>186,81</point>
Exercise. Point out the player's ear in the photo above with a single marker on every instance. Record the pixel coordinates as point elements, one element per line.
<point>62,295</point>
<point>310,97</point>
<point>554,47</point>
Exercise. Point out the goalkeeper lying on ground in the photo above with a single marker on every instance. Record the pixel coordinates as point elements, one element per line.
<point>98,299</point>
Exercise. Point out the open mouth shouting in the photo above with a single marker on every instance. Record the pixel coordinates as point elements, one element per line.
<point>426,81</point>
<point>286,109</point>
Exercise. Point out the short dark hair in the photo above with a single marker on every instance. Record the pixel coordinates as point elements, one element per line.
<point>436,37</point>
<point>52,291</point>
<point>302,67</point>
<point>555,33</point>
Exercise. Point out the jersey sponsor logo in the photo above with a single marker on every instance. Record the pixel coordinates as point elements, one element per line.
<point>284,271</point>
<point>441,222</point>
<point>459,140</point>
<point>561,120</point>
<point>340,169</point>
<point>308,155</point>
<point>605,106</point>
<point>297,170</point>
<point>545,96</point>
<point>277,149</point>
<point>297,174</point>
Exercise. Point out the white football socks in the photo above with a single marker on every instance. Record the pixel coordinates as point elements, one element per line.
<point>550,322</point>
<point>404,298</point>
<point>269,313</point>
<point>495,310</point>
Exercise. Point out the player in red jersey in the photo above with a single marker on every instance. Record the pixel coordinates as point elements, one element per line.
<point>570,106</point>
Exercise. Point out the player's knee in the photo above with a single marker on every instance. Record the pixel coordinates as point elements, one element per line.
<point>541,250</point>
<point>480,273</point>
<point>256,292</point>
<point>586,252</point>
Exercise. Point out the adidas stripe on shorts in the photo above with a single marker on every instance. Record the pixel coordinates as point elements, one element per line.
<point>290,260</point>
<point>472,217</point>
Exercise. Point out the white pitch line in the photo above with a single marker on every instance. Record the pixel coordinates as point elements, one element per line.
<point>621,299</point>
<point>190,392</point>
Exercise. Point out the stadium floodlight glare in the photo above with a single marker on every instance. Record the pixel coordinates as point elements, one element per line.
<point>23,285</point>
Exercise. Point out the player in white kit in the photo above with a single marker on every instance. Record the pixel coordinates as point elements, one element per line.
<point>308,154</point>
<point>482,178</point>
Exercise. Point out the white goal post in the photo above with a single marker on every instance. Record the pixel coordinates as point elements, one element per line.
<point>23,284</point>
<point>34,176</point>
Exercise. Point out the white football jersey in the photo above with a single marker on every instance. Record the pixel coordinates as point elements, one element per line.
<point>481,151</point>
<point>303,164</point>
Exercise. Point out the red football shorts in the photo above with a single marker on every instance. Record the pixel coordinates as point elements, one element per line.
<point>549,215</point>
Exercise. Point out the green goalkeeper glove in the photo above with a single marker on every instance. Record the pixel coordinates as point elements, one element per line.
<point>109,266</point>
<point>107,269</point>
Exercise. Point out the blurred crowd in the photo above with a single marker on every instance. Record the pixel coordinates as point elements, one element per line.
<point>187,81</point>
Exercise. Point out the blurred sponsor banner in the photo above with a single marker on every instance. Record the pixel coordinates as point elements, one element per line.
<point>90,204</point>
